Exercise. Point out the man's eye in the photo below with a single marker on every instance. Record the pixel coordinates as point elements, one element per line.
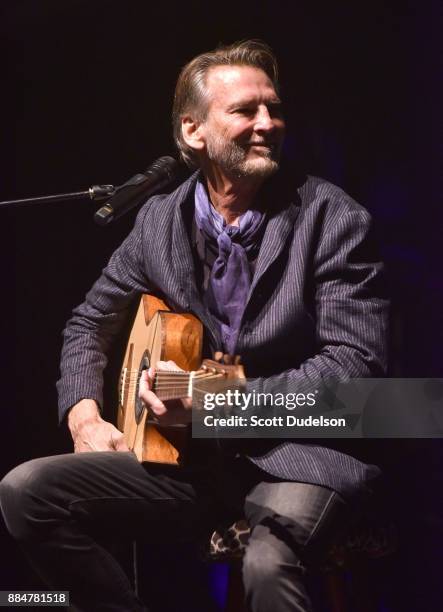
<point>244,110</point>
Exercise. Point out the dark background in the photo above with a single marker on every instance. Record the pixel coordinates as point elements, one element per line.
<point>86,91</point>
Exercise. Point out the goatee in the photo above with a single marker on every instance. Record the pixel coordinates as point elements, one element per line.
<point>232,158</point>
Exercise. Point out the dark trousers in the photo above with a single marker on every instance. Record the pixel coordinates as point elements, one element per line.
<point>61,508</point>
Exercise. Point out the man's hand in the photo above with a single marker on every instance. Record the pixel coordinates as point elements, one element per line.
<point>169,412</point>
<point>90,432</point>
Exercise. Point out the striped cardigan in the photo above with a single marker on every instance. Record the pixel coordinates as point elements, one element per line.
<point>315,309</point>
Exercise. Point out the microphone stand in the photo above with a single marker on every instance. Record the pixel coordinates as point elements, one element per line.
<point>96,193</point>
<point>162,172</point>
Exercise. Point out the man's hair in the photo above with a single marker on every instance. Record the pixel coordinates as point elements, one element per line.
<point>191,94</point>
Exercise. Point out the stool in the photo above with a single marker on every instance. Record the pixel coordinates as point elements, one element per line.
<point>352,553</point>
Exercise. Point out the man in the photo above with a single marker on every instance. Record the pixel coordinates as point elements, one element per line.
<point>279,271</point>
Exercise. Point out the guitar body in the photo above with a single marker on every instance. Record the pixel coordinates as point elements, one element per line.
<point>158,334</point>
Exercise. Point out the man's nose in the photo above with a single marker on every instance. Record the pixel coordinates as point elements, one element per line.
<point>264,121</point>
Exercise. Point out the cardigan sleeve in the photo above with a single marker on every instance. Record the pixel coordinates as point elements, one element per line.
<point>94,324</point>
<point>351,310</point>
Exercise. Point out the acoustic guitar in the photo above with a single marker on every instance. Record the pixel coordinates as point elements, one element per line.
<point>158,334</point>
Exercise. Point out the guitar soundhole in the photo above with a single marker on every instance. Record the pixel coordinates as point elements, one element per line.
<point>145,364</point>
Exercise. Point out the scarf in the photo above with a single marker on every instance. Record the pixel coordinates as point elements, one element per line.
<point>230,278</point>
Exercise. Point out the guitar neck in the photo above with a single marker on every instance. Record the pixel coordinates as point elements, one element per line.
<point>172,385</point>
<point>178,385</point>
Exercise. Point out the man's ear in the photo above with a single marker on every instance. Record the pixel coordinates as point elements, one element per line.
<point>192,132</point>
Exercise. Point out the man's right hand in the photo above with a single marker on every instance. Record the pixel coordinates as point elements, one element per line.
<point>90,432</point>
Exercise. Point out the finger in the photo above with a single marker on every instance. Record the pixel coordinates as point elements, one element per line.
<point>86,446</point>
<point>163,366</point>
<point>118,442</point>
<point>168,366</point>
<point>172,365</point>
<point>175,367</point>
<point>147,396</point>
<point>151,401</point>
<point>187,403</point>
<point>146,382</point>
<point>152,374</point>
<point>147,377</point>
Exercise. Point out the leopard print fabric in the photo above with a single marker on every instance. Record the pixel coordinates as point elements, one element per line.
<point>229,542</point>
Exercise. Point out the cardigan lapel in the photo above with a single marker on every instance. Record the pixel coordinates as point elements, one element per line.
<point>277,232</point>
<point>183,258</point>
<point>181,248</point>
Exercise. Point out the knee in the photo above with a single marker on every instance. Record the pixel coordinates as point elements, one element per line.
<point>259,567</point>
<point>266,563</point>
<point>23,497</point>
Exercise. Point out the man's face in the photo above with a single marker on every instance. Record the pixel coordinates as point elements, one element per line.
<point>244,128</point>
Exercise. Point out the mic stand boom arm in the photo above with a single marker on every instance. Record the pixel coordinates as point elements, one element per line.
<point>162,172</point>
<point>96,193</point>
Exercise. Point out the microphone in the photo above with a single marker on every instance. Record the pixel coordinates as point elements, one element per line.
<point>134,192</point>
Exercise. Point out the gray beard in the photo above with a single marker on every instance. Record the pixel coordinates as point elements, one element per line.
<point>231,158</point>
